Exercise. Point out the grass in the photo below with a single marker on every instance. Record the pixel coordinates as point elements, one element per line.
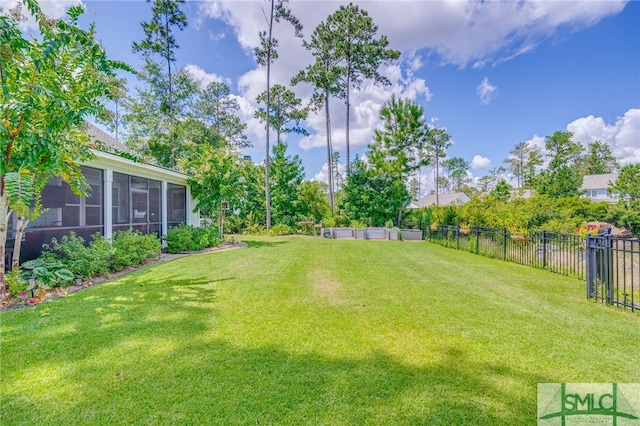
<point>311,331</point>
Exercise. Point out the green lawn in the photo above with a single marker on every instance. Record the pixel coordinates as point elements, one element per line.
<point>311,331</point>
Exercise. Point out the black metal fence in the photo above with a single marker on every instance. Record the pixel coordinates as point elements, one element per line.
<point>613,270</point>
<point>561,253</point>
<point>610,266</point>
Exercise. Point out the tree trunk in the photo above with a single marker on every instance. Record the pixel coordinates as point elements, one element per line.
<point>348,115</point>
<point>4,222</point>
<point>267,189</point>
<point>23,221</point>
<point>329,153</point>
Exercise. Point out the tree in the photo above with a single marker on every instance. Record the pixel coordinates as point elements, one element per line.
<point>284,108</point>
<point>371,196</point>
<point>161,41</point>
<point>50,84</point>
<point>627,185</point>
<point>150,132</point>
<point>599,159</point>
<point>438,140</point>
<point>400,147</point>
<point>115,119</point>
<point>457,169</point>
<point>324,75</point>
<point>562,178</point>
<point>215,176</point>
<point>522,161</point>
<point>312,198</point>
<point>266,53</point>
<point>287,176</point>
<point>219,110</point>
<point>502,191</point>
<point>358,53</point>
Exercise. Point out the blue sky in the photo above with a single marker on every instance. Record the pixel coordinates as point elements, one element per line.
<point>494,73</point>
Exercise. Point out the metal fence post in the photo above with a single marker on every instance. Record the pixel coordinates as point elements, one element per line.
<point>544,249</point>
<point>504,243</point>
<point>458,237</point>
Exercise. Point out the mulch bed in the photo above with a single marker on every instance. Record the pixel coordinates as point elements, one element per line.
<point>17,303</point>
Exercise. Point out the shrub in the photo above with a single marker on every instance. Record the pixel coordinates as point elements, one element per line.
<point>183,238</point>
<point>72,253</point>
<point>280,229</point>
<point>132,248</point>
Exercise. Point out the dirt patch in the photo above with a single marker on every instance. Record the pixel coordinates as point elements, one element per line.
<point>324,287</point>
<point>16,303</point>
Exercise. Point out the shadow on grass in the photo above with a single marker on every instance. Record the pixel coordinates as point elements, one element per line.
<point>119,359</point>
<point>262,244</point>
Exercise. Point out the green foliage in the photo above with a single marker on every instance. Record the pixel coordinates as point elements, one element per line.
<point>47,274</point>
<point>372,196</point>
<point>50,83</point>
<point>132,248</point>
<point>563,176</point>
<point>86,261</point>
<point>502,191</point>
<point>183,238</point>
<point>280,229</point>
<point>627,186</point>
<point>284,108</point>
<point>16,283</point>
<point>287,175</point>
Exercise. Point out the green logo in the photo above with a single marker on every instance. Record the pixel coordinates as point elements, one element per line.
<point>588,403</point>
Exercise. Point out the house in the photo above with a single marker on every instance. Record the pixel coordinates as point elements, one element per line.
<point>123,195</point>
<point>596,187</point>
<point>453,199</point>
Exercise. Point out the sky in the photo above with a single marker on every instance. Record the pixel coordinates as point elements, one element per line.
<point>493,73</point>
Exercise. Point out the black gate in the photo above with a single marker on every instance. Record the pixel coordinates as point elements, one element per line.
<point>613,270</point>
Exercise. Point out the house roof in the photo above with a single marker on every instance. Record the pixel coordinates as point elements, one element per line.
<point>598,181</point>
<point>443,200</point>
<point>105,138</point>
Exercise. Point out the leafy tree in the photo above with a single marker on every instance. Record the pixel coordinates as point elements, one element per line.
<point>285,108</point>
<point>266,53</point>
<point>371,196</point>
<point>287,176</point>
<point>522,161</point>
<point>312,198</point>
<point>502,191</point>
<point>599,159</point>
<point>457,169</point>
<point>219,110</point>
<point>438,141</point>
<point>562,178</point>
<point>159,40</point>
<point>149,131</point>
<point>358,53</point>
<point>215,176</point>
<point>627,186</point>
<point>400,146</point>
<point>50,84</point>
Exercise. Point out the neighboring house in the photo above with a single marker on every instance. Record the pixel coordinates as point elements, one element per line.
<point>453,199</point>
<point>123,195</point>
<point>522,193</point>
<point>596,187</point>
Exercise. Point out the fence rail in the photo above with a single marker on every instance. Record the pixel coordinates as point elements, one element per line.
<point>609,265</point>
<point>561,253</point>
<point>613,271</point>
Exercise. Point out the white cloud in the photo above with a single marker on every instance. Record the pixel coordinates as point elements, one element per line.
<point>203,77</point>
<point>623,136</point>
<point>480,162</point>
<point>55,9</point>
<point>486,91</point>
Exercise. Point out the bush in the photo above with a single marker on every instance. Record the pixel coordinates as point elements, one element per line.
<point>71,252</point>
<point>183,238</point>
<point>132,248</point>
<point>280,229</point>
